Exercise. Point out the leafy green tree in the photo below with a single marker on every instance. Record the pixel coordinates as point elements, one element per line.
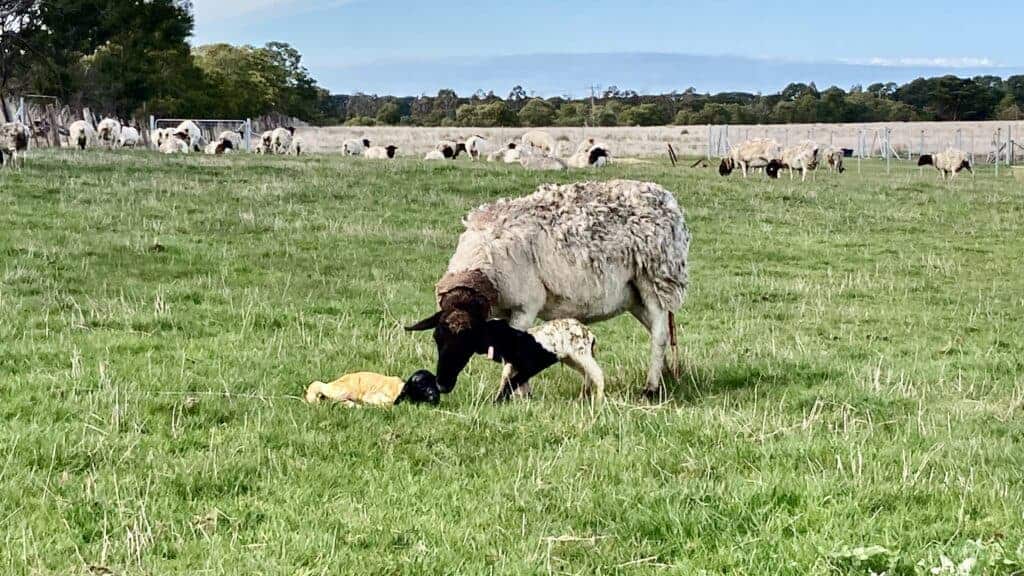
<point>389,113</point>
<point>537,112</point>
<point>643,115</point>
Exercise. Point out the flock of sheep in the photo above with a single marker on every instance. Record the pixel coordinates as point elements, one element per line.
<point>534,150</point>
<point>768,155</point>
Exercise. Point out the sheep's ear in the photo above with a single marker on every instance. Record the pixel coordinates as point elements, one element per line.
<point>425,324</point>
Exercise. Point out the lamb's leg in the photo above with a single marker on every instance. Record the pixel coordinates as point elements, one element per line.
<point>523,320</point>
<point>593,377</point>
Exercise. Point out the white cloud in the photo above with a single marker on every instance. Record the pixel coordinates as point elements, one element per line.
<point>940,62</point>
<point>207,11</point>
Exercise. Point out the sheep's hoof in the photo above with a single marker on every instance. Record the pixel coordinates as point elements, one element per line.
<point>653,394</point>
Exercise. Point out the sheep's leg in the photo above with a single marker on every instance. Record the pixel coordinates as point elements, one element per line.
<point>655,319</point>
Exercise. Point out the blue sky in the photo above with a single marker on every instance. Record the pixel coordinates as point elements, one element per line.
<point>334,35</point>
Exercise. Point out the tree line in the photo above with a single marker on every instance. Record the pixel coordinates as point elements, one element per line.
<point>132,58</point>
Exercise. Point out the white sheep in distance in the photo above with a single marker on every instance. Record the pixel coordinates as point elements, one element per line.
<point>129,138</point>
<point>158,136</point>
<point>949,163</point>
<point>510,154</point>
<point>757,153</point>
<point>354,146</point>
<point>476,146</point>
<point>232,136</point>
<point>108,132</point>
<point>381,152</point>
<point>450,148</point>
<point>834,158</point>
<point>281,140</point>
<point>536,160</point>
<point>176,143</point>
<point>588,251</point>
<point>81,134</point>
<point>590,154</point>
<point>219,146</point>
<point>540,140</point>
<point>14,137</point>
<point>297,146</point>
<point>194,133</point>
<point>265,144</point>
<point>802,157</point>
<point>434,155</point>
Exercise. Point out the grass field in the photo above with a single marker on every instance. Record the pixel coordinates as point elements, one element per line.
<point>852,397</point>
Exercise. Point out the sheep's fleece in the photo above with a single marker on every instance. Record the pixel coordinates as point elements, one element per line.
<point>580,244</point>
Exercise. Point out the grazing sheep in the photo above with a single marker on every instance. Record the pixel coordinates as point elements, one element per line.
<point>108,132</point>
<point>757,153</point>
<point>233,136</point>
<point>590,153</point>
<point>281,140</point>
<point>450,149</point>
<point>129,138</point>
<point>475,146</point>
<point>14,138</point>
<point>81,134</point>
<point>834,159</point>
<point>802,157</point>
<point>194,135</point>
<point>526,354</point>
<point>948,163</point>
<point>354,147</point>
<point>381,152</point>
<point>539,161</point>
<point>588,251</point>
<point>540,140</point>
<point>265,145</point>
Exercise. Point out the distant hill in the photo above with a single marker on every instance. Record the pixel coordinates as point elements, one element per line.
<point>558,74</point>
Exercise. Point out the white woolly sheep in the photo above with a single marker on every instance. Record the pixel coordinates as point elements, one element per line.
<point>381,152</point>
<point>297,146</point>
<point>108,132</point>
<point>194,135</point>
<point>949,163</point>
<point>434,155</point>
<point>219,146</point>
<point>450,149</point>
<point>590,154</point>
<point>588,251</point>
<point>538,161</point>
<point>756,153</point>
<point>265,144</point>
<point>476,146</point>
<point>802,157</point>
<point>354,146</point>
<point>834,158</point>
<point>81,134</point>
<point>14,137</point>
<point>177,143</point>
<point>129,138</point>
<point>539,140</point>
<point>232,136</point>
<point>510,154</point>
<point>281,140</point>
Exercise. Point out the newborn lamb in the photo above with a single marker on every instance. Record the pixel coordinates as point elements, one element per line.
<point>370,389</point>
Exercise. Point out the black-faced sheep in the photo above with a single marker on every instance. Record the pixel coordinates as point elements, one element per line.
<point>176,143</point>
<point>354,146</point>
<point>590,154</point>
<point>108,132</point>
<point>81,134</point>
<point>220,146</point>
<point>193,133</point>
<point>14,137</point>
<point>834,159</point>
<point>588,251</point>
<point>949,163</point>
<point>757,153</point>
<point>475,146</point>
<point>232,136</point>
<point>381,152</point>
<point>802,157</point>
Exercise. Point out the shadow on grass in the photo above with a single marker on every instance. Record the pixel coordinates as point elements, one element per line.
<point>697,382</point>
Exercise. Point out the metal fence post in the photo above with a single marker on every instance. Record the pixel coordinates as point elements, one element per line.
<point>999,139</point>
<point>248,134</point>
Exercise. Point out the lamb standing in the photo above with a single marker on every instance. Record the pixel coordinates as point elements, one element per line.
<point>14,137</point>
<point>948,163</point>
<point>108,132</point>
<point>834,158</point>
<point>81,134</point>
<point>588,251</point>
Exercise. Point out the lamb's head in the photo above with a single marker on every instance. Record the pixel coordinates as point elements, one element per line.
<point>466,300</point>
<point>420,388</point>
<point>727,166</point>
<point>773,168</point>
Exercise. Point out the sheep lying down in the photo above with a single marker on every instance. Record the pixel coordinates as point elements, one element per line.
<point>371,389</point>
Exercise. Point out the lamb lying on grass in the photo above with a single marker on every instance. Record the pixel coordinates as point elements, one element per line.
<point>370,389</point>
<point>526,354</point>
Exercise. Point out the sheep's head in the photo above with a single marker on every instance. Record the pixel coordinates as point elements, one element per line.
<point>726,167</point>
<point>391,148</point>
<point>773,168</point>
<point>366,143</point>
<point>466,299</point>
<point>925,160</point>
<point>965,165</point>
<point>447,152</point>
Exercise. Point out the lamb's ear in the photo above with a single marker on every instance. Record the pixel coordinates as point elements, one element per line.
<point>425,324</point>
